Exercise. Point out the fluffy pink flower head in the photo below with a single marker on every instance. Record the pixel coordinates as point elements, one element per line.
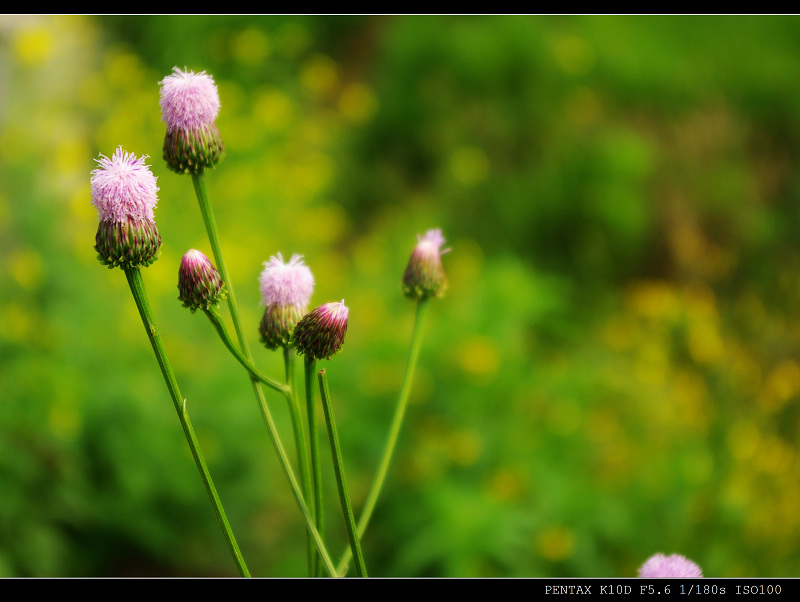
<point>674,566</point>
<point>124,188</point>
<point>189,100</point>
<point>320,334</point>
<point>286,284</point>
<point>424,276</point>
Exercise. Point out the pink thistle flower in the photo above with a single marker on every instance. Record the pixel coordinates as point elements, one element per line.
<point>674,566</point>
<point>124,187</point>
<point>286,283</point>
<point>189,100</point>
<point>189,106</point>
<point>320,334</point>
<point>124,192</point>
<point>424,276</point>
<point>199,282</point>
<point>285,291</point>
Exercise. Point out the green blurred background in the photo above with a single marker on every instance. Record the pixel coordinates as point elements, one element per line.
<point>614,370</point>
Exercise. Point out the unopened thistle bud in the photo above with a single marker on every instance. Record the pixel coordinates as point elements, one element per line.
<point>199,283</point>
<point>285,291</point>
<point>675,566</point>
<point>320,334</point>
<point>189,107</point>
<point>424,276</point>
<point>124,192</point>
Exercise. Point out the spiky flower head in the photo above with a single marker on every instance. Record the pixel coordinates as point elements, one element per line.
<point>424,276</point>
<point>189,106</point>
<point>674,566</point>
<point>199,283</point>
<point>286,283</point>
<point>285,291</point>
<point>320,334</point>
<point>124,192</point>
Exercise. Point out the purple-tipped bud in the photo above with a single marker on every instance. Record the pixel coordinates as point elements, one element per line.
<point>424,276</point>
<point>674,566</point>
<point>124,192</point>
<point>285,291</point>
<point>320,334</point>
<point>189,107</point>
<point>199,283</point>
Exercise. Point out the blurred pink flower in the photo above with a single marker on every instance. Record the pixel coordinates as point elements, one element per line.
<point>286,284</point>
<point>124,188</point>
<point>674,566</point>
<point>189,100</point>
<point>424,276</point>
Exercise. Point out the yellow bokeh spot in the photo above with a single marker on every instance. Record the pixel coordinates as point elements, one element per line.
<point>464,447</point>
<point>33,45</point>
<point>251,46</point>
<point>583,107</point>
<point>744,440</point>
<point>358,102</point>
<point>782,384</point>
<point>690,398</point>
<point>574,55</point>
<point>80,203</point>
<point>311,176</point>
<point>478,357</point>
<point>16,323</point>
<point>27,268</point>
<point>705,343</point>
<point>464,267</point>
<point>325,224</point>
<point>653,299</point>
<point>70,155</point>
<point>556,543</point>
<point>64,421</point>
<point>369,256</point>
<point>777,457</point>
<point>506,484</point>
<point>124,71</point>
<point>621,332</point>
<point>469,165</point>
<point>274,109</point>
<point>319,75</point>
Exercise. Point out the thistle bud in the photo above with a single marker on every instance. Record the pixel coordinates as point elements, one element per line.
<point>674,566</point>
<point>320,334</point>
<point>189,107</point>
<point>424,276</point>
<point>199,283</point>
<point>285,291</point>
<point>124,192</point>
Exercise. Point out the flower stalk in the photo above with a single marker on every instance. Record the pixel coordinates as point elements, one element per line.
<point>394,430</point>
<point>338,466</point>
<point>198,179</point>
<point>136,284</point>
<point>313,438</point>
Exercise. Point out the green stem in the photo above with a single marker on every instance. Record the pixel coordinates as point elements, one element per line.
<point>136,284</point>
<point>213,315</point>
<point>338,466</point>
<point>394,430</point>
<point>211,226</point>
<point>299,439</point>
<point>313,438</point>
<point>199,182</point>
